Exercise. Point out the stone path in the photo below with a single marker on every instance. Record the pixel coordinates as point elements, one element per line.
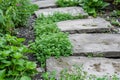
<point>95,42</point>
<point>95,66</point>
<point>45,3</point>
<point>75,11</point>
<point>107,45</point>
<point>85,25</point>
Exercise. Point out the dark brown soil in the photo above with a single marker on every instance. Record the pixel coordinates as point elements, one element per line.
<point>28,34</point>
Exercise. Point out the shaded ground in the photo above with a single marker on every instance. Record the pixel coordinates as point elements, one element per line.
<point>28,34</point>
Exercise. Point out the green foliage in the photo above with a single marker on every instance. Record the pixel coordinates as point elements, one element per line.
<point>49,40</point>
<point>49,75</point>
<point>54,44</point>
<point>14,65</point>
<point>46,25</point>
<point>46,29</point>
<point>57,17</point>
<point>116,2</point>
<point>113,16</point>
<point>78,74</point>
<point>92,6</point>
<point>14,13</point>
<point>115,13</point>
<point>67,3</point>
<point>115,23</point>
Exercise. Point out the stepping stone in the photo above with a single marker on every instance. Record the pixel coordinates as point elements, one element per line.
<point>93,66</point>
<point>119,30</point>
<point>32,0</point>
<point>45,3</point>
<point>85,25</point>
<point>74,11</point>
<point>107,45</point>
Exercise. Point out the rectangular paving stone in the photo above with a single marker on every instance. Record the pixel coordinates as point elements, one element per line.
<point>34,0</point>
<point>107,45</point>
<point>85,25</point>
<point>45,3</point>
<point>74,11</point>
<point>119,30</point>
<point>93,66</point>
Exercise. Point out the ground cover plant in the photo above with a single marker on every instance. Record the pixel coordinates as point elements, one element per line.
<point>113,18</point>
<point>116,2</point>
<point>67,3</point>
<point>15,65</point>
<point>50,41</point>
<point>90,6</point>
<point>93,6</point>
<point>14,13</point>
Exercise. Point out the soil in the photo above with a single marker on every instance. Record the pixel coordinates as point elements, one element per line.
<point>28,34</point>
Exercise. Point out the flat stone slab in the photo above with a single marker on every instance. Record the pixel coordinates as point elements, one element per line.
<point>45,3</point>
<point>93,66</point>
<point>74,11</point>
<point>119,30</point>
<point>85,25</point>
<point>107,45</point>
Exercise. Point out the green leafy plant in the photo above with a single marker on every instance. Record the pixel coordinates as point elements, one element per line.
<point>67,3</point>
<point>49,40</point>
<point>115,22</point>
<point>49,75</point>
<point>46,29</point>
<point>92,6</point>
<point>14,64</point>
<point>116,2</point>
<point>113,15</point>
<point>55,44</point>
<point>14,13</point>
<point>58,17</point>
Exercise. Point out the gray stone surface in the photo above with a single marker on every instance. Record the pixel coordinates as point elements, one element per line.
<point>119,30</point>
<point>94,66</point>
<point>45,3</point>
<point>70,10</point>
<point>85,25</point>
<point>39,69</point>
<point>36,0</point>
<point>107,45</point>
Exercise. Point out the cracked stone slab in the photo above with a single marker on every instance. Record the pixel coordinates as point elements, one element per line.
<point>85,25</point>
<point>95,66</point>
<point>45,3</point>
<point>74,11</point>
<point>107,45</point>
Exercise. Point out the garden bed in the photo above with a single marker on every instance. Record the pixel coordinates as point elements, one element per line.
<point>47,40</point>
